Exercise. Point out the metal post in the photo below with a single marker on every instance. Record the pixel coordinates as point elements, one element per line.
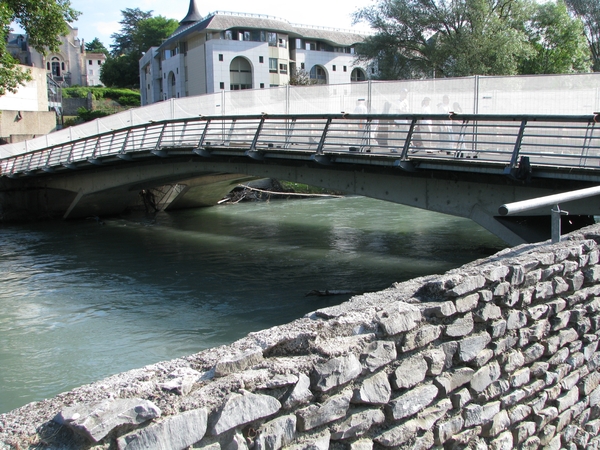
<point>556,229</point>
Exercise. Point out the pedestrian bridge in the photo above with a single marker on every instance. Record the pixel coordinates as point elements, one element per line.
<point>466,165</point>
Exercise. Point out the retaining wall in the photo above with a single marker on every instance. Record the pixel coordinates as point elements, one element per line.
<point>501,353</point>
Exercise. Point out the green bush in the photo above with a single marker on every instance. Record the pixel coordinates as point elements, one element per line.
<point>88,115</point>
<point>126,97</point>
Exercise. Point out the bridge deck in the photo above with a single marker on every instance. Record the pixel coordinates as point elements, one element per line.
<point>567,146</point>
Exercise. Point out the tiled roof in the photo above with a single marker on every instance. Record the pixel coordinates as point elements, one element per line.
<point>220,21</point>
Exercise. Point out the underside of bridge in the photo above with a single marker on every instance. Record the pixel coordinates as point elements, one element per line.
<point>193,181</point>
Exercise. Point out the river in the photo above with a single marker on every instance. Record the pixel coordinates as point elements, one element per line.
<point>82,300</point>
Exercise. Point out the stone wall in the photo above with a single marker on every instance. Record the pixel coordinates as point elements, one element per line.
<point>501,353</point>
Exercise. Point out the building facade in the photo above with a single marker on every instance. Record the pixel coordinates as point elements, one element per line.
<point>71,65</point>
<point>230,51</point>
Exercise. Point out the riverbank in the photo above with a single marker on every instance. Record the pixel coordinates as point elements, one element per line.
<point>501,352</point>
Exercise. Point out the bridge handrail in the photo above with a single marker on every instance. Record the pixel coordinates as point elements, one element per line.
<point>501,138</point>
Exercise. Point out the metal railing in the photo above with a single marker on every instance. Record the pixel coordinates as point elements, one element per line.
<point>503,141</point>
<point>549,200</point>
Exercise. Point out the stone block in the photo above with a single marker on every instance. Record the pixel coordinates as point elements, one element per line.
<point>563,420</point>
<point>436,361</point>
<point>378,354</point>
<point>543,290</point>
<point>559,357</point>
<point>487,312</point>
<point>501,289</point>
<point>495,273</point>
<point>513,398</point>
<point>400,318</point>
<point>175,432</point>
<point>468,284</point>
<point>512,360</point>
<point>460,326</point>
<point>95,421</point>
<point>335,372</point>
<point>485,376</point>
<point>238,362</point>
<point>545,416</point>
<point>399,434</point>
<point>483,357</point>
<point>546,434</point>
<point>357,424</point>
<point>539,369</point>
<point>497,328</point>
<point>570,381</point>
<point>519,413</point>
<point>411,371</point>
<point>467,303</point>
<point>590,383</point>
<point>242,408</point>
<point>539,402</point>
<point>560,286</point>
<point>461,398</point>
<point>276,433</point>
<point>300,394</point>
<point>469,347</point>
<point>452,379</point>
<point>531,444</point>
<point>494,390</point>
<point>575,281</point>
<point>502,345</point>
<point>480,414</point>
<point>556,306</point>
<point>374,390</point>
<point>445,430</point>
<point>331,409</point>
<point>516,275</point>
<point>516,320</point>
<point>538,311</point>
<point>523,431</point>
<point>421,337</point>
<point>533,353</point>
<point>520,377</point>
<point>438,309</point>
<point>412,401</point>
<point>503,442</point>
<point>361,444</point>
<point>318,441</point>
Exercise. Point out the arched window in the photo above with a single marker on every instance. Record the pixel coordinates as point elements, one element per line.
<point>240,74</point>
<point>318,74</point>
<point>172,85</point>
<point>56,69</point>
<point>358,75</point>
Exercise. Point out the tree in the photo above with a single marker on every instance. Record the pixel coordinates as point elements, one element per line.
<point>558,40</point>
<point>589,12</point>
<point>139,32</point>
<point>44,21</point>
<point>425,38</point>
<point>96,47</point>
<point>123,41</point>
<point>300,77</point>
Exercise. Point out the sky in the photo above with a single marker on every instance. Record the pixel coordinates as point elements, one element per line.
<point>100,18</point>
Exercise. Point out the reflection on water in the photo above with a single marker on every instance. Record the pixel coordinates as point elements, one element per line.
<point>80,301</point>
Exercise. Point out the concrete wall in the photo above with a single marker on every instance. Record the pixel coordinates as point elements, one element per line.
<point>501,353</point>
<point>33,96</point>
<point>17,126</point>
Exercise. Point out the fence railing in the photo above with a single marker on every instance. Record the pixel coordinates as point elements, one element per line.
<point>499,140</point>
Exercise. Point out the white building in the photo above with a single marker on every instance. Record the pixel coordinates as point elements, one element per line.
<point>231,51</point>
<point>69,66</point>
